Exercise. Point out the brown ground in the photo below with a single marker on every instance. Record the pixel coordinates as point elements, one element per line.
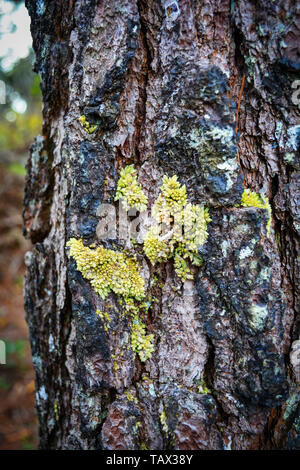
<point>18,420</point>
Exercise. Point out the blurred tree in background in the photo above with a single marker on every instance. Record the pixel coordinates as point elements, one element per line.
<point>20,122</point>
<point>17,129</point>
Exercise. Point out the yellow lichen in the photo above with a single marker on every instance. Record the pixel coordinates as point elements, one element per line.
<point>108,270</point>
<point>105,319</point>
<point>140,342</point>
<point>130,397</point>
<point>89,128</point>
<point>163,420</point>
<point>143,446</point>
<point>171,200</point>
<point>202,388</point>
<point>251,199</point>
<point>129,191</point>
<point>115,364</point>
<point>181,228</point>
<point>56,412</point>
<point>111,271</point>
<point>155,247</point>
<point>100,314</point>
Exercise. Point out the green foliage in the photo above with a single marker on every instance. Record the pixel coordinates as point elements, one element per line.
<point>4,384</point>
<point>22,82</point>
<point>16,169</point>
<point>129,191</point>
<point>18,135</point>
<point>251,199</point>
<point>17,131</point>
<point>16,353</point>
<point>27,445</point>
<point>17,348</point>
<point>171,200</point>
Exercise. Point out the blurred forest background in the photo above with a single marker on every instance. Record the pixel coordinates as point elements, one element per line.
<point>20,122</point>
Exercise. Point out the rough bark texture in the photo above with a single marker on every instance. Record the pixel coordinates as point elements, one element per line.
<point>165,89</point>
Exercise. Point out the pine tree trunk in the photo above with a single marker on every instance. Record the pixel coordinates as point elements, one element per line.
<point>202,90</point>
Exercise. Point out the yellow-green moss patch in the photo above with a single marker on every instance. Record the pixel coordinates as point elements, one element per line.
<point>129,191</point>
<point>180,229</point>
<point>112,271</point>
<point>89,128</point>
<point>140,342</point>
<point>108,270</point>
<point>251,199</point>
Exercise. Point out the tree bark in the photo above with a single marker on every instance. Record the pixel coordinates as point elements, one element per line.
<point>201,90</point>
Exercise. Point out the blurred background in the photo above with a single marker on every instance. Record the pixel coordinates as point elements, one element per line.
<point>20,122</point>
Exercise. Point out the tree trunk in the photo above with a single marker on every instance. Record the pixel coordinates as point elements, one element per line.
<point>204,90</point>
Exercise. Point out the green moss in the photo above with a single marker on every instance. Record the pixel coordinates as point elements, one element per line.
<point>115,364</point>
<point>108,271</point>
<point>140,342</point>
<point>105,319</point>
<point>153,280</point>
<point>202,388</point>
<point>89,128</point>
<point>129,191</point>
<point>251,199</point>
<point>136,427</point>
<point>143,446</point>
<point>181,228</point>
<point>171,200</point>
<point>55,406</point>
<point>130,397</point>
<point>163,420</point>
<point>111,271</point>
<point>155,247</point>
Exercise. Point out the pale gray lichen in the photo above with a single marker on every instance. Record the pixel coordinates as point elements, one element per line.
<point>258,314</point>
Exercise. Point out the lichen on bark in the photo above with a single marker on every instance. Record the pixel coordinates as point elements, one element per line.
<point>163,93</point>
